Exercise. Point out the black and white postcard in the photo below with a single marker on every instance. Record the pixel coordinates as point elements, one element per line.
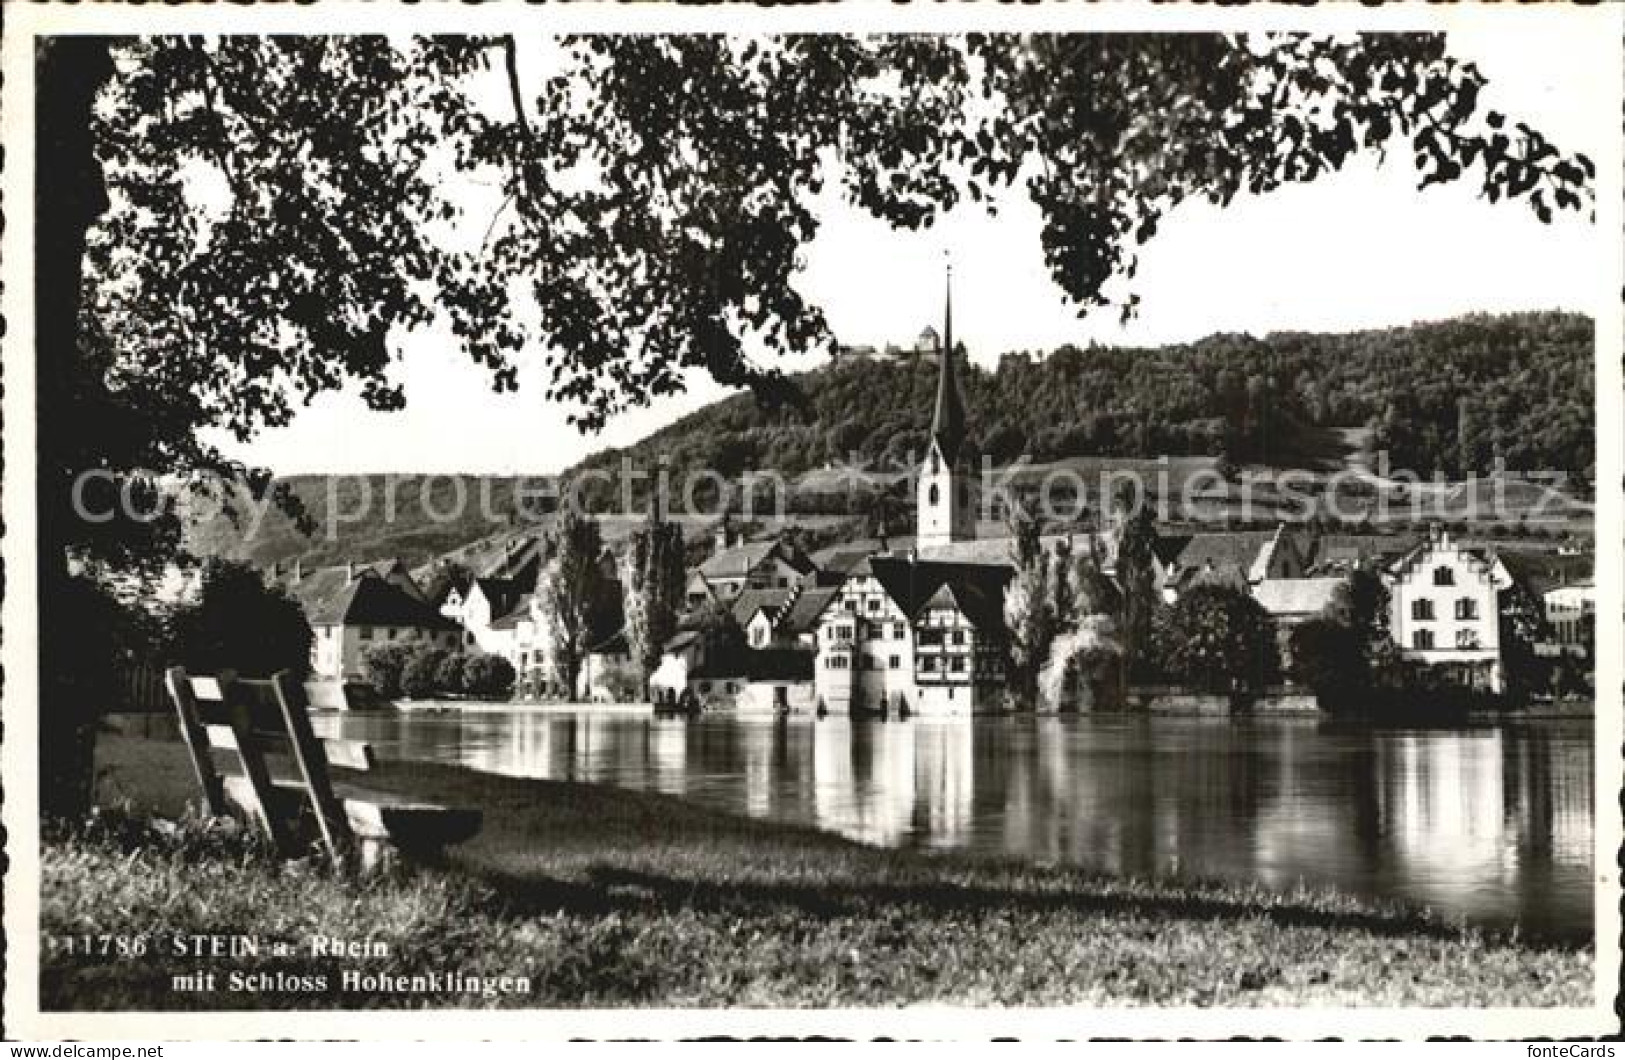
<point>935,521</point>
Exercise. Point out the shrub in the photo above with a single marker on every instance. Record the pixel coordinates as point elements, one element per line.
<point>386,664</point>
<point>622,686</point>
<point>448,676</point>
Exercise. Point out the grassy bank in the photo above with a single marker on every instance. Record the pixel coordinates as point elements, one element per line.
<point>598,896</point>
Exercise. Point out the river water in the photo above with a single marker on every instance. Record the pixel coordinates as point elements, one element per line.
<point>1493,824</point>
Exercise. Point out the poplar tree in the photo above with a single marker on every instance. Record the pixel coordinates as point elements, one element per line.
<point>570,590</point>
<point>652,581</point>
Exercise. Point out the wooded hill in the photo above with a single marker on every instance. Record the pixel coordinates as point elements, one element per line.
<point>1436,394</point>
<point>1444,396</point>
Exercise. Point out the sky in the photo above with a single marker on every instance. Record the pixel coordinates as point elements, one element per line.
<point>1361,248</point>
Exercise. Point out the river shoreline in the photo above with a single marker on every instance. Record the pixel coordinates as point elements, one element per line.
<point>601,896</point>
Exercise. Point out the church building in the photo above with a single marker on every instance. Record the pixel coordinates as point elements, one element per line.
<point>905,636</point>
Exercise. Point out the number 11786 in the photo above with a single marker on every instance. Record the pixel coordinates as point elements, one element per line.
<point>105,945</point>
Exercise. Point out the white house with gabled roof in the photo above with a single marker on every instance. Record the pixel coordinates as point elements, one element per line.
<point>906,635</point>
<point>1444,609</point>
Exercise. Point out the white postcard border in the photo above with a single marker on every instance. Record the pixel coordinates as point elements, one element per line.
<point>18,617</point>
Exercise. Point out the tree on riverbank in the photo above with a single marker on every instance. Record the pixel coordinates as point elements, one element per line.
<point>1328,658</point>
<point>238,622</point>
<point>573,593</point>
<point>1029,608</point>
<point>1139,603</point>
<point>1347,656</point>
<point>231,226</point>
<point>652,579</point>
<point>1219,639</point>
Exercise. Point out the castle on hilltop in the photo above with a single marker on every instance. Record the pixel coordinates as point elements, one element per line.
<point>926,349</point>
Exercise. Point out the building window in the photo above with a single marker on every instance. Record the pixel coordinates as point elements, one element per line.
<point>366,632</point>
<point>895,662</point>
<point>930,638</point>
<point>705,686</point>
<point>1467,609</point>
<point>1422,640</point>
<point>1444,576</point>
<point>1422,610</point>
<point>957,664</point>
<point>732,688</point>
<point>873,605</point>
<point>928,662</point>
<point>897,631</point>
<point>1467,639</point>
<point>391,632</point>
<point>934,495</point>
<point>959,636</point>
<point>850,605</point>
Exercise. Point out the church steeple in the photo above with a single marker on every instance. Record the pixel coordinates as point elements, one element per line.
<point>948,420</point>
<point>945,510</point>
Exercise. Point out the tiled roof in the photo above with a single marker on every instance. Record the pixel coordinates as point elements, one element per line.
<point>758,664</point>
<point>1296,596</point>
<point>1542,572</point>
<point>841,559</point>
<point>1483,559</point>
<point>1232,549</point>
<point>999,551</point>
<point>1227,574</point>
<point>780,664</point>
<point>971,600</point>
<point>682,640</point>
<point>517,614</point>
<point>978,589</point>
<point>519,557</point>
<point>739,561</point>
<point>442,580</point>
<point>367,600</point>
<point>317,592</point>
<point>509,621</point>
<point>1349,549</point>
<point>502,593</point>
<point>804,611</point>
<point>749,601</point>
<point>1167,547</point>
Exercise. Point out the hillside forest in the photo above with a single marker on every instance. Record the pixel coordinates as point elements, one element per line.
<point>1440,398</point>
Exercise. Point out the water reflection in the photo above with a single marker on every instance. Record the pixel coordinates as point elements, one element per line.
<point>1492,824</point>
